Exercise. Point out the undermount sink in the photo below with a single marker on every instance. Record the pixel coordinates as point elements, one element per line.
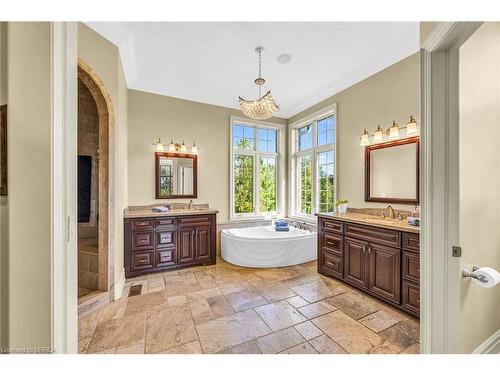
<point>383,220</point>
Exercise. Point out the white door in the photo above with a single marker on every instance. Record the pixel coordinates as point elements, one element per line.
<point>479,183</point>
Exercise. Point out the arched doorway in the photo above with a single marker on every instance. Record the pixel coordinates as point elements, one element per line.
<point>95,191</point>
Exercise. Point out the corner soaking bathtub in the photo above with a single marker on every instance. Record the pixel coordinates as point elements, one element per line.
<point>263,247</point>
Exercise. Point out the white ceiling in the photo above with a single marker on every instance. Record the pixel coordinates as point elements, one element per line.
<point>215,62</point>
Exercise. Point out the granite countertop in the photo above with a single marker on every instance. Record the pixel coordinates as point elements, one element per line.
<point>372,220</point>
<point>146,211</point>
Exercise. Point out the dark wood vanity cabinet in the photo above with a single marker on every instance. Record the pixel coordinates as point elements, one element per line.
<point>162,243</point>
<point>382,262</point>
<point>411,273</point>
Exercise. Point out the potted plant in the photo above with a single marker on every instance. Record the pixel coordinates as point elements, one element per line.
<point>342,206</point>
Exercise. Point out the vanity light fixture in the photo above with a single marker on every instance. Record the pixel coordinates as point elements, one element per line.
<point>365,139</point>
<point>379,133</point>
<point>159,145</point>
<point>411,127</point>
<point>176,147</point>
<point>394,131</point>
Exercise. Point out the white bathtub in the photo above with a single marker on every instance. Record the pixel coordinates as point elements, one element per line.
<point>263,247</point>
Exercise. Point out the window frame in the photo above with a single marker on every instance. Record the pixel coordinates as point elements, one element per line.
<point>280,168</point>
<point>294,154</point>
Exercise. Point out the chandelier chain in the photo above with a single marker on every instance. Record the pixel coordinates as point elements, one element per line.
<point>260,69</point>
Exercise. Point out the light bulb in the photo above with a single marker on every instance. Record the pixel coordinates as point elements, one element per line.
<point>194,149</point>
<point>171,148</point>
<point>394,131</point>
<point>365,139</point>
<point>379,133</point>
<point>183,147</point>
<point>411,127</point>
<point>159,146</point>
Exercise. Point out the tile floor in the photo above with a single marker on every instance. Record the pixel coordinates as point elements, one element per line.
<point>230,309</point>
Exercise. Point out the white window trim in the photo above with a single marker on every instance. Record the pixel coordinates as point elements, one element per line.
<point>280,169</point>
<point>294,154</point>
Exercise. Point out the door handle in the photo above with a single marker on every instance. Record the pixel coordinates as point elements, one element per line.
<point>369,248</point>
<point>364,248</point>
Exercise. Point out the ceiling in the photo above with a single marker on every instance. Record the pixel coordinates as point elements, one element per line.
<point>215,62</point>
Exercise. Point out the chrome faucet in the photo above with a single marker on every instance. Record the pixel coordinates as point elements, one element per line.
<point>190,205</point>
<point>299,225</point>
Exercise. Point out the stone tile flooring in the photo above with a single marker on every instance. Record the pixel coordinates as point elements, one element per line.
<point>234,310</point>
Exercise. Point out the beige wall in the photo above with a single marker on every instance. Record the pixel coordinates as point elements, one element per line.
<point>103,58</point>
<point>151,116</point>
<point>392,94</point>
<point>3,199</point>
<point>480,180</point>
<point>29,154</point>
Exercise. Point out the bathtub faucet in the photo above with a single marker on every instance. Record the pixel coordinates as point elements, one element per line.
<point>299,225</point>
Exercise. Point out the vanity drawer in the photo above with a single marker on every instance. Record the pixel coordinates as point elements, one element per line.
<point>332,225</point>
<point>142,260</point>
<point>166,222</point>
<point>332,243</point>
<point>411,242</point>
<point>165,257</point>
<point>331,265</point>
<point>143,224</point>
<point>372,234</point>
<point>143,240</point>
<point>165,238</point>
<point>193,221</point>
<point>411,266</point>
<point>411,297</point>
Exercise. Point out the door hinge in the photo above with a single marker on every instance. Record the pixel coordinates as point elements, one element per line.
<point>456,251</point>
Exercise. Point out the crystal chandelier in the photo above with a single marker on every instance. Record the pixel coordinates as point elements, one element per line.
<point>264,107</point>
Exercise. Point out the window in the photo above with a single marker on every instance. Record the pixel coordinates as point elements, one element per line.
<point>166,178</point>
<point>312,163</point>
<point>243,184</point>
<point>254,168</point>
<point>305,184</point>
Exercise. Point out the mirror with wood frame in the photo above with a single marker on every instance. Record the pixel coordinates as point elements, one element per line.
<point>176,175</point>
<point>392,173</point>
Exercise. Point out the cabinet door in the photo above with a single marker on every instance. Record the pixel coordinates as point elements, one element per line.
<point>355,267</point>
<point>203,241</point>
<point>384,271</point>
<point>185,248</point>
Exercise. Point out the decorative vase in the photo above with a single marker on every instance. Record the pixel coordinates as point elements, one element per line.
<point>342,208</point>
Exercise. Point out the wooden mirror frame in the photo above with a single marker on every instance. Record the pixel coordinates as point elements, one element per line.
<point>158,155</point>
<point>399,142</point>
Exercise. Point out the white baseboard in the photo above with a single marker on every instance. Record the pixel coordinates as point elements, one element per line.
<point>120,284</point>
<point>490,346</point>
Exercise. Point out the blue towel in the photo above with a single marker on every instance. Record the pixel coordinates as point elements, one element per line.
<point>281,223</point>
<point>282,229</point>
<point>281,226</point>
